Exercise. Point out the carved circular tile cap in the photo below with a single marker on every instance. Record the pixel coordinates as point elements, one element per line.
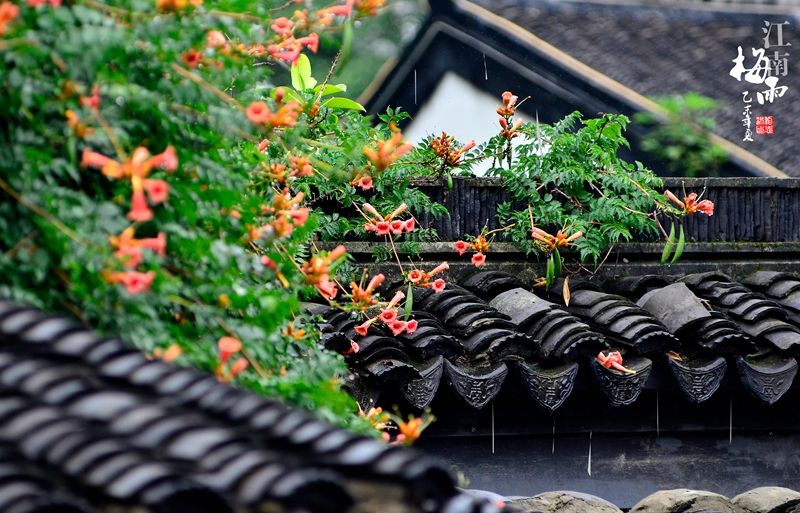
<point>684,501</point>
<point>769,499</point>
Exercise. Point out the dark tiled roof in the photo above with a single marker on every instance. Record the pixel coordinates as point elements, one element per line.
<point>659,50</point>
<point>470,337</point>
<point>88,423</point>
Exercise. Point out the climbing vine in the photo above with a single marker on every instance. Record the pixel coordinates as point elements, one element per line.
<point>168,167</point>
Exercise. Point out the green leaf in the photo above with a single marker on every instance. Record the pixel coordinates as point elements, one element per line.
<point>288,92</point>
<point>550,276</point>
<point>330,89</point>
<point>301,74</point>
<point>343,103</point>
<point>409,300</point>
<point>680,246</point>
<point>668,245</point>
<point>556,264</point>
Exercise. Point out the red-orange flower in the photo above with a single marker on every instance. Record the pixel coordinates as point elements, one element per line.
<point>613,360</point>
<point>362,297</point>
<point>137,168</point>
<point>389,150</point>
<point>478,259</point>
<point>690,205</point>
<point>176,5</point>
<point>228,346</point>
<point>282,25</point>
<point>362,328</point>
<point>387,225</point>
<point>388,315</point>
<point>559,240</point>
<point>239,366</point>
<point>443,147</point>
<point>93,101</point>
<point>509,107</point>
<point>397,326</point>
<point>415,276</point>
<point>258,113</point>
<point>299,216</point>
<point>134,282</point>
<point>256,50</point>
<point>421,278</point>
<point>327,15</point>
<point>509,131</point>
<point>172,353</point>
<point>192,57</point>
<point>480,244</point>
<point>129,249</point>
<point>74,123</point>
<point>8,12</point>
<point>397,226</point>
<point>289,48</point>
<point>410,430</point>
<point>37,3</point>
<point>368,7</point>
<point>354,348</point>
<point>157,190</point>
<point>363,181</point>
<point>216,39</point>
<point>286,115</point>
<point>316,272</point>
<point>300,167</point>
<point>461,247</point>
<point>380,228</point>
<point>506,112</point>
<point>706,207</point>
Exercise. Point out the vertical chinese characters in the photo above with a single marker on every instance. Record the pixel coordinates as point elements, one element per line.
<point>765,71</point>
<point>746,119</point>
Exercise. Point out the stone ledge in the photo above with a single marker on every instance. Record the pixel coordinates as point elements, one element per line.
<point>748,182</point>
<point>627,248</point>
<point>770,499</point>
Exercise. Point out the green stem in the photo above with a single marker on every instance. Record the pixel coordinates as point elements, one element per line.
<point>47,216</point>
<point>312,142</point>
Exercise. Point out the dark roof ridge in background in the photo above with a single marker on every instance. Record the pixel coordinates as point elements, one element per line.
<point>732,8</point>
<point>612,86</point>
<point>472,24</point>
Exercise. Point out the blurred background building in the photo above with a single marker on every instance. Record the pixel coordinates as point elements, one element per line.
<point>670,60</point>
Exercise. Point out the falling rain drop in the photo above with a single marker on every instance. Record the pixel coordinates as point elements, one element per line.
<point>553,450</point>
<point>485,69</point>
<point>492,426</point>
<point>658,419</point>
<point>589,465</point>
<point>730,422</point>
<point>415,87</point>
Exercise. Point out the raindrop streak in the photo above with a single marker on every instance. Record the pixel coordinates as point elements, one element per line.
<point>485,69</point>
<point>730,422</point>
<point>589,466</point>
<point>553,451</point>
<point>658,420</point>
<point>492,426</point>
<point>415,87</point>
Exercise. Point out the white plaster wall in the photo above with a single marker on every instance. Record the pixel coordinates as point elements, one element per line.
<point>460,109</point>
